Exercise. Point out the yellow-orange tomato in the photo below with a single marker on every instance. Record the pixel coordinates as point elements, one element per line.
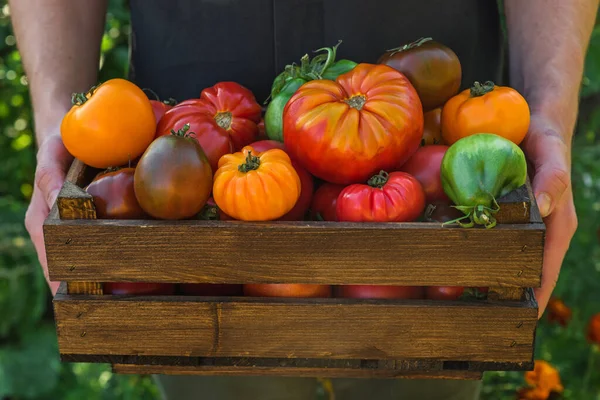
<point>432,128</point>
<point>252,186</point>
<point>486,109</point>
<point>109,125</point>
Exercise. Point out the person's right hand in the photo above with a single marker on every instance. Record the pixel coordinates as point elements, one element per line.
<point>53,161</point>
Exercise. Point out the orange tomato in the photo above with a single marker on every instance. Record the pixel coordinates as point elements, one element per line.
<point>252,186</point>
<point>486,109</point>
<point>287,290</point>
<point>432,128</point>
<point>109,125</point>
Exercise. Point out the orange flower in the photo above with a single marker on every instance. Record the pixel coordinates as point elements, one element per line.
<point>544,379</point>
<point>593,331</point>
<point>558,312</point>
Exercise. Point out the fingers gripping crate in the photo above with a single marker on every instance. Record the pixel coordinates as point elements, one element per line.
<point>294,337</point>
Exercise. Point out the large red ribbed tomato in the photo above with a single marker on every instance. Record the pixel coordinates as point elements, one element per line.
<point>345,131</point>
<point>224,118</point>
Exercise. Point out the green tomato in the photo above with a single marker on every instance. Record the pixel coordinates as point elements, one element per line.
<point>338,68</point>
<point>274,113</point>
<point>478,169</point>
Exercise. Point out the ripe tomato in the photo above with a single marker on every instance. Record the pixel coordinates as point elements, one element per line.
<point>109,125</point>
<point>453,292</point>
<point>486,108</point>
<point>380,292</point>
<point>252,186</point>
<point>395,197</point>
<point>287,290</point>
<point>306,182</point>
<point>141,288</point>
<point>225,119</point>
<point>262,133</point>
<point>212,212</point>
<point>161,107</point>
<point>442,211</point>
<point>210,289</point>
<point>432,68</point>
<point>114,196</point>
<point>324,202</point>
<point>345,131</point>
<point>173,179</point>
<point>425,165</point>
<point>432,127</point>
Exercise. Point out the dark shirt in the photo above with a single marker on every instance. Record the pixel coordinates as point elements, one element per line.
<point>180,47</point>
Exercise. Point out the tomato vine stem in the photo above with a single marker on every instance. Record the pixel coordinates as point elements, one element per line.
<point>252,163</point>
<point>479,89</point>
<point>379,180</point>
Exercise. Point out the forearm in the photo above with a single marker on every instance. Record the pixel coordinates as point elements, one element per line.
<point>548,40</point>
<point>59,42</point>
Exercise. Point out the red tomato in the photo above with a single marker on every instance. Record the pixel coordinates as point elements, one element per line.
<point>138,288</point>
<point>346,130</point>
<point>380,292</point>
<point>324,202</point>
<point>395,197</point>
<point>306,180</point>
<point>452,292</point>
<point>224,119</point>
<point>161,107</point>
<point>425,165</point>
<point>262,133</point>
<point>209,289</point>
<point>287,290</point>
<point>114,195</point>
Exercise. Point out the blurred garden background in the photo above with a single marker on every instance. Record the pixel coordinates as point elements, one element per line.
<point>29,364</point>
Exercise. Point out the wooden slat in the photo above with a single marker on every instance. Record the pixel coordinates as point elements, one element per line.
<point>536,218</point>
<point>295,328</point>
<point>84,288</point>
<point>294,372</point>
<point>514,207</point>
<point>302,252</point>
<point>506,293</point>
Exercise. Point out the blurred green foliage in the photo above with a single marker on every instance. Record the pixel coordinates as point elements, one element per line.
<point>29,365</point>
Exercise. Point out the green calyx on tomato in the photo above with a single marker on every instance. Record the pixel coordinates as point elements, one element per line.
<point>183,132</point>
<point>251,163</point>
<point>478,89</point>
<point>322,66</point>
<point>379,180</point>
<point>409,46</point>
<point>478,169</point>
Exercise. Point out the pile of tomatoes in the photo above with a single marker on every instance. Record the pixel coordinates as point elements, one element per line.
<point>365,144</point>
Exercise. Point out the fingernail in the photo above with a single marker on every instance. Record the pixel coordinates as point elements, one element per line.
<point>544,203</point>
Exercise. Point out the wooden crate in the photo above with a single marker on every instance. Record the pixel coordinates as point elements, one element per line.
<point>294,337</point>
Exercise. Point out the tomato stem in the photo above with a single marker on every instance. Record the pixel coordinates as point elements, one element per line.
<point>379,180</point>
<point>252,163</point>
<point>183,132</point>
<point>479,89</point>
<point>224,119</point>
<point>415,44</point>
<point>78,99</point>
<point>357,101</point>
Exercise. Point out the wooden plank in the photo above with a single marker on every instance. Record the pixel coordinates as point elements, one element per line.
<point>302,252</point>
<point>536,218</point>
<point>74,203</point>
<point>295,328</point>
<point>515,207</point>
<point>293,372</point>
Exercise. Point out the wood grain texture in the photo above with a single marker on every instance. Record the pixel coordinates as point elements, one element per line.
<point>302,252</point>
<point>515,207</point>
<point>295,328</point>
<point>506,293</point>
<point>84,287</point>
<point>293,372</point>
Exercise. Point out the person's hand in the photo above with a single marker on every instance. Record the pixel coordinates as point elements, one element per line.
<point>550,156</point>
<point>53,161</point>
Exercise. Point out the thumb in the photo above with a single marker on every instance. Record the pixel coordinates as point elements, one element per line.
<point>552,176</point>
<point>53,162</point>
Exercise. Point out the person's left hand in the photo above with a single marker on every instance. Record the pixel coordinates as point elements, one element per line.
<point>550,156</point>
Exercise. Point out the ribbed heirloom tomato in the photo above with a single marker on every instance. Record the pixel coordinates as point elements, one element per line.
<point>161,107</point>
<point>395,197</point>
<point>486,108</point>
<point>224,118</point>
<point>306,182</point>
<point>109,125</point>
<point>114,195</point>
<point>345,131</point>
<point>252,186</point>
